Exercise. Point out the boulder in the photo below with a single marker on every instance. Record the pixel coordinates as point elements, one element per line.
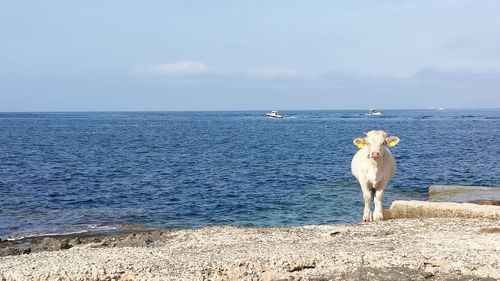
<point>423,209</point>
<point>465,194</point>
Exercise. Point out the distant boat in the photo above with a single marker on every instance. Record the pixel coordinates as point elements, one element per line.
<point>374,112</point>
<point>274,114</point>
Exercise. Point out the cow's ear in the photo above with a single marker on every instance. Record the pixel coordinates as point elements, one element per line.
<point>359,142</point>
<point>392,141</point>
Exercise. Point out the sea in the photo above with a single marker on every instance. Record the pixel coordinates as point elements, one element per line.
<point>71,172</point>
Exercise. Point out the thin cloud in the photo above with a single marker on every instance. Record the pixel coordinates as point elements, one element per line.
<point>178,69</point>
<point>468,68</point>
<point>192,69</point>
<point>471,69</point>
<point>277,74</point>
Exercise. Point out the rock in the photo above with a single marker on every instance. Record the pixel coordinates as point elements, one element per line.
<point>486,202</point>
<point>490,230</point>
<point>75,241</point>
<point>422,209</point>
<point>50,244</point>
<point>65,244</point>
<point>465,194</point>
<point>427,275</point>
<point>7,251</point>
<point>393,273</point>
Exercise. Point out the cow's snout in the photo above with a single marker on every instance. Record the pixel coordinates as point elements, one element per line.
<point>375,155</point>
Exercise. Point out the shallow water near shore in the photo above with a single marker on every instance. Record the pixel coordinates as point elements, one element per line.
<point>85,172</point>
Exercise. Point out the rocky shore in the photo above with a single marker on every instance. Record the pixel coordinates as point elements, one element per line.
<point>398,249</point>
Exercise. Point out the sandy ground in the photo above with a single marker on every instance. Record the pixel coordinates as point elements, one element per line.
<point>404,249</point>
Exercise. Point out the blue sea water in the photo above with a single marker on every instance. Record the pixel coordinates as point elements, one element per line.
<point>70,172</point>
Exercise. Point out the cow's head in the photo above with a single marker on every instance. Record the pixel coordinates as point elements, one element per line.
<point>374,142</point>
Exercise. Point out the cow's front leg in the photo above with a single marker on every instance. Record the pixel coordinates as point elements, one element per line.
<point>367,196</point>
<point>377,213</point>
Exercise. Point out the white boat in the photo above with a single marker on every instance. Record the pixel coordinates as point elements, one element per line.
<point>274,114</point>
<point>374,112</point>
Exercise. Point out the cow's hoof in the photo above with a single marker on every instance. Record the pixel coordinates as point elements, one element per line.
<point>366,219</point>
<point>378,217</point>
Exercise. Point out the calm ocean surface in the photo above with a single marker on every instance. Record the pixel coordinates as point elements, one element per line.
<point>70,172</point>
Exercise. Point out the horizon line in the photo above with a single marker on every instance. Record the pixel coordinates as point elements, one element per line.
<point>247,110</point>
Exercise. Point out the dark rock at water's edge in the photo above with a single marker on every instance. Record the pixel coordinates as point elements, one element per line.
<point>133,237</point>
<point>52,244</point>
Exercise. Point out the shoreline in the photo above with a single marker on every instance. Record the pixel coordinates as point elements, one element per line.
<point>142,235</point>
<point>420,240</point>
<point>56,242</point>
<point>472,206</point>
<point>398,249</point>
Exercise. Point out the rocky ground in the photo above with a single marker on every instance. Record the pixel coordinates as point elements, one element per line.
<point>401,249</point>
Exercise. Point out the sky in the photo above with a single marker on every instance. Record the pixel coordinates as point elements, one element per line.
<point>248,55</point>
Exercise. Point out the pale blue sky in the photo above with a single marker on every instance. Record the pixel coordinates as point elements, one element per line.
<point>244,55</point>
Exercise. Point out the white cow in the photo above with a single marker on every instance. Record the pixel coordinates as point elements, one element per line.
<point>373,165</point>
